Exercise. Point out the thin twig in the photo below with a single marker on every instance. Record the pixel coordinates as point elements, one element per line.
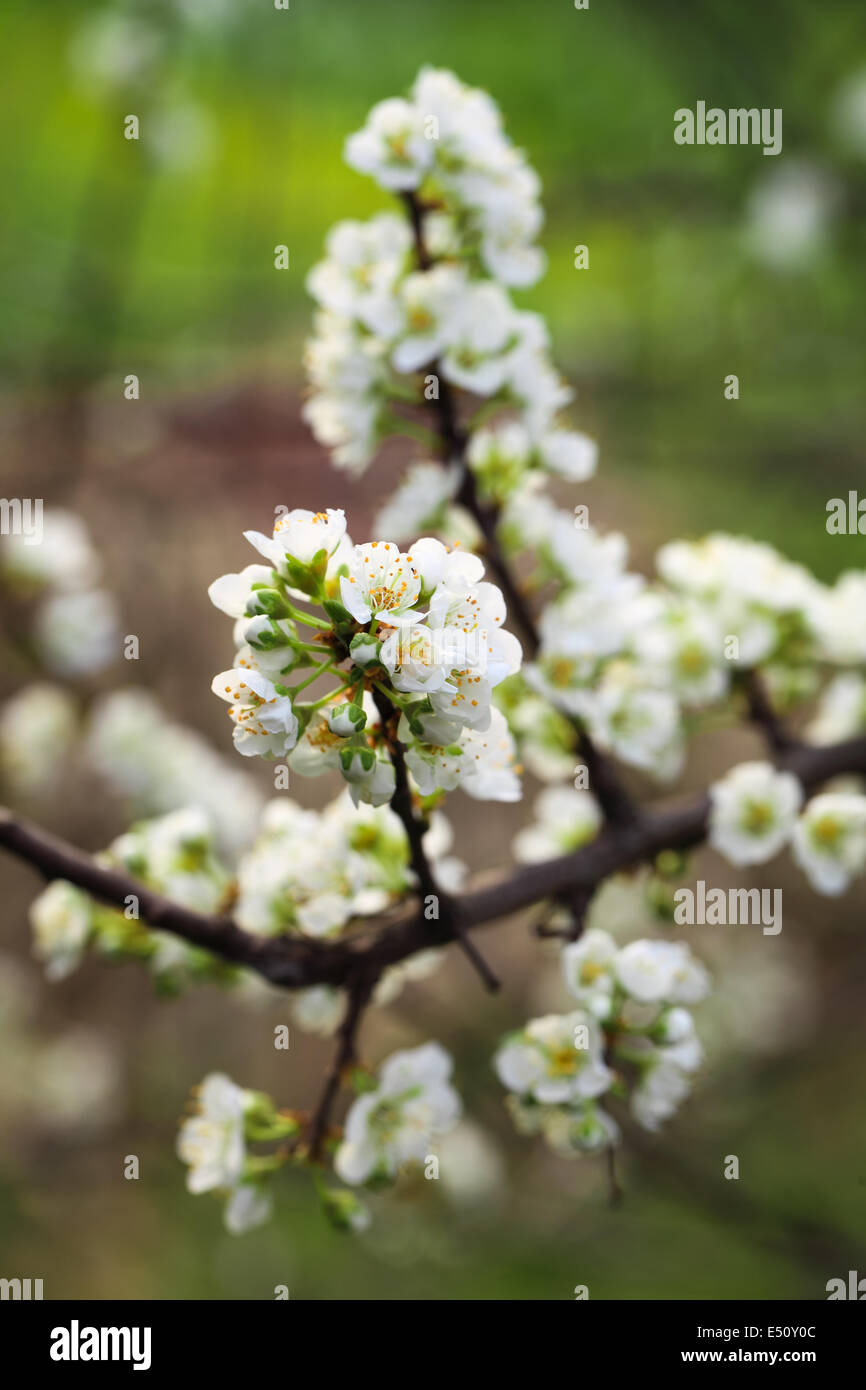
<point>359,991</point>
<point>762,714</point>
<point>401,804</point>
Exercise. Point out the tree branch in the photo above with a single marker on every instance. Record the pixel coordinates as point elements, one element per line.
<point>401,804</point>
<point>615,802</point>
<point>359,991</point>
<point>298,962</point>
<point>762,714</point>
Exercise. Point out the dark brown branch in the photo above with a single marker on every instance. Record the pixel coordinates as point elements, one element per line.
<point>55,859</point>
<point>359,991</point>
<point>401,804</point>
<point>762,714</point>
<point>296,963</point>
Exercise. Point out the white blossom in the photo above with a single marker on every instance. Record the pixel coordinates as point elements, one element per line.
<point>565,819</point>
<point>158,765</point>
<point>392,146</point>
<point>248,1206</point>
<point>382,583</point>
<point>363,263</point>
<point>587,968</point>
<point>752,812</point>
<point>319,1009</point>
<point>829,841</point>
<point>211,1142</point>
<point>479,333</point>
<point>659,1093</point>
<point>79,632</point>
<point>652,971</point>
<point>37,728</point>
<point>265,724</point>
<point>548,1061</point>
<point>419,502</point>
<point>841,711</point>
<point>60,557</point>
<point>300,535</point>
<point>428,303</point>
<point>61,918</point>
<point>413,1102</point>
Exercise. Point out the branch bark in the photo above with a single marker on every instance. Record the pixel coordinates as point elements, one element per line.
<point>295,963</point>
<point>359,991</point>
<point>401,804</point>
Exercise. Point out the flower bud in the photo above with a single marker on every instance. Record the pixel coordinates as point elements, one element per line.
<point>268,601</point>
<point>346,719</point>
<point>364,649</point>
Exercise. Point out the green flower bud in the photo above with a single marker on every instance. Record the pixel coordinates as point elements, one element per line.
<point>364,649</point>
<point>267,601</point>
<point>346,719</point>
<point>343,1209</point>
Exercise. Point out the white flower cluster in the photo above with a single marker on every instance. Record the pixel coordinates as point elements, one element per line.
<point>421,628</point>
<point>448,138</point>
<point>391,308</point>
<point>617,656</point>
<point>213,1144</point>
<point>630,1034</point>
<point>565,820</point>
<point>173,854</point>
<point>76,627</point>
<point>311,871</point>
<point>755,811</point>
<point>394,1124</point>
<point>633,661</point>
<point>776,609</point>
<point>307,872</point>
<point>157,765</point>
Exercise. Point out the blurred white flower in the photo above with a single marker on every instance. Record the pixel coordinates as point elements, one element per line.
<point>211,1142</point>
<point>753,810</point>
<point>547,1061</point>
<point>656,971</point>
<point>37,729</point>
<point>471,1166</point>
<point>79,633</point>
<point>829,841</point>
<point>319,1009</point>
<point>413,1102</point>
<point>61,918</point>
<point>790,212</point>
<point>565,819</point>
<point>63,557</point>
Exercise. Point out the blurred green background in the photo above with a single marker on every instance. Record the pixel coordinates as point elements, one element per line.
<point>156,257</point>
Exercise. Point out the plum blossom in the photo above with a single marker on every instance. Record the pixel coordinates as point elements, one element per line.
<point>265,724</point>
<point>549,1062</point>
<point>211,1142</point>
<point>382,584</point>
<point>753,810</point>
<point>413,1102</point>
<point>829,841</point>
